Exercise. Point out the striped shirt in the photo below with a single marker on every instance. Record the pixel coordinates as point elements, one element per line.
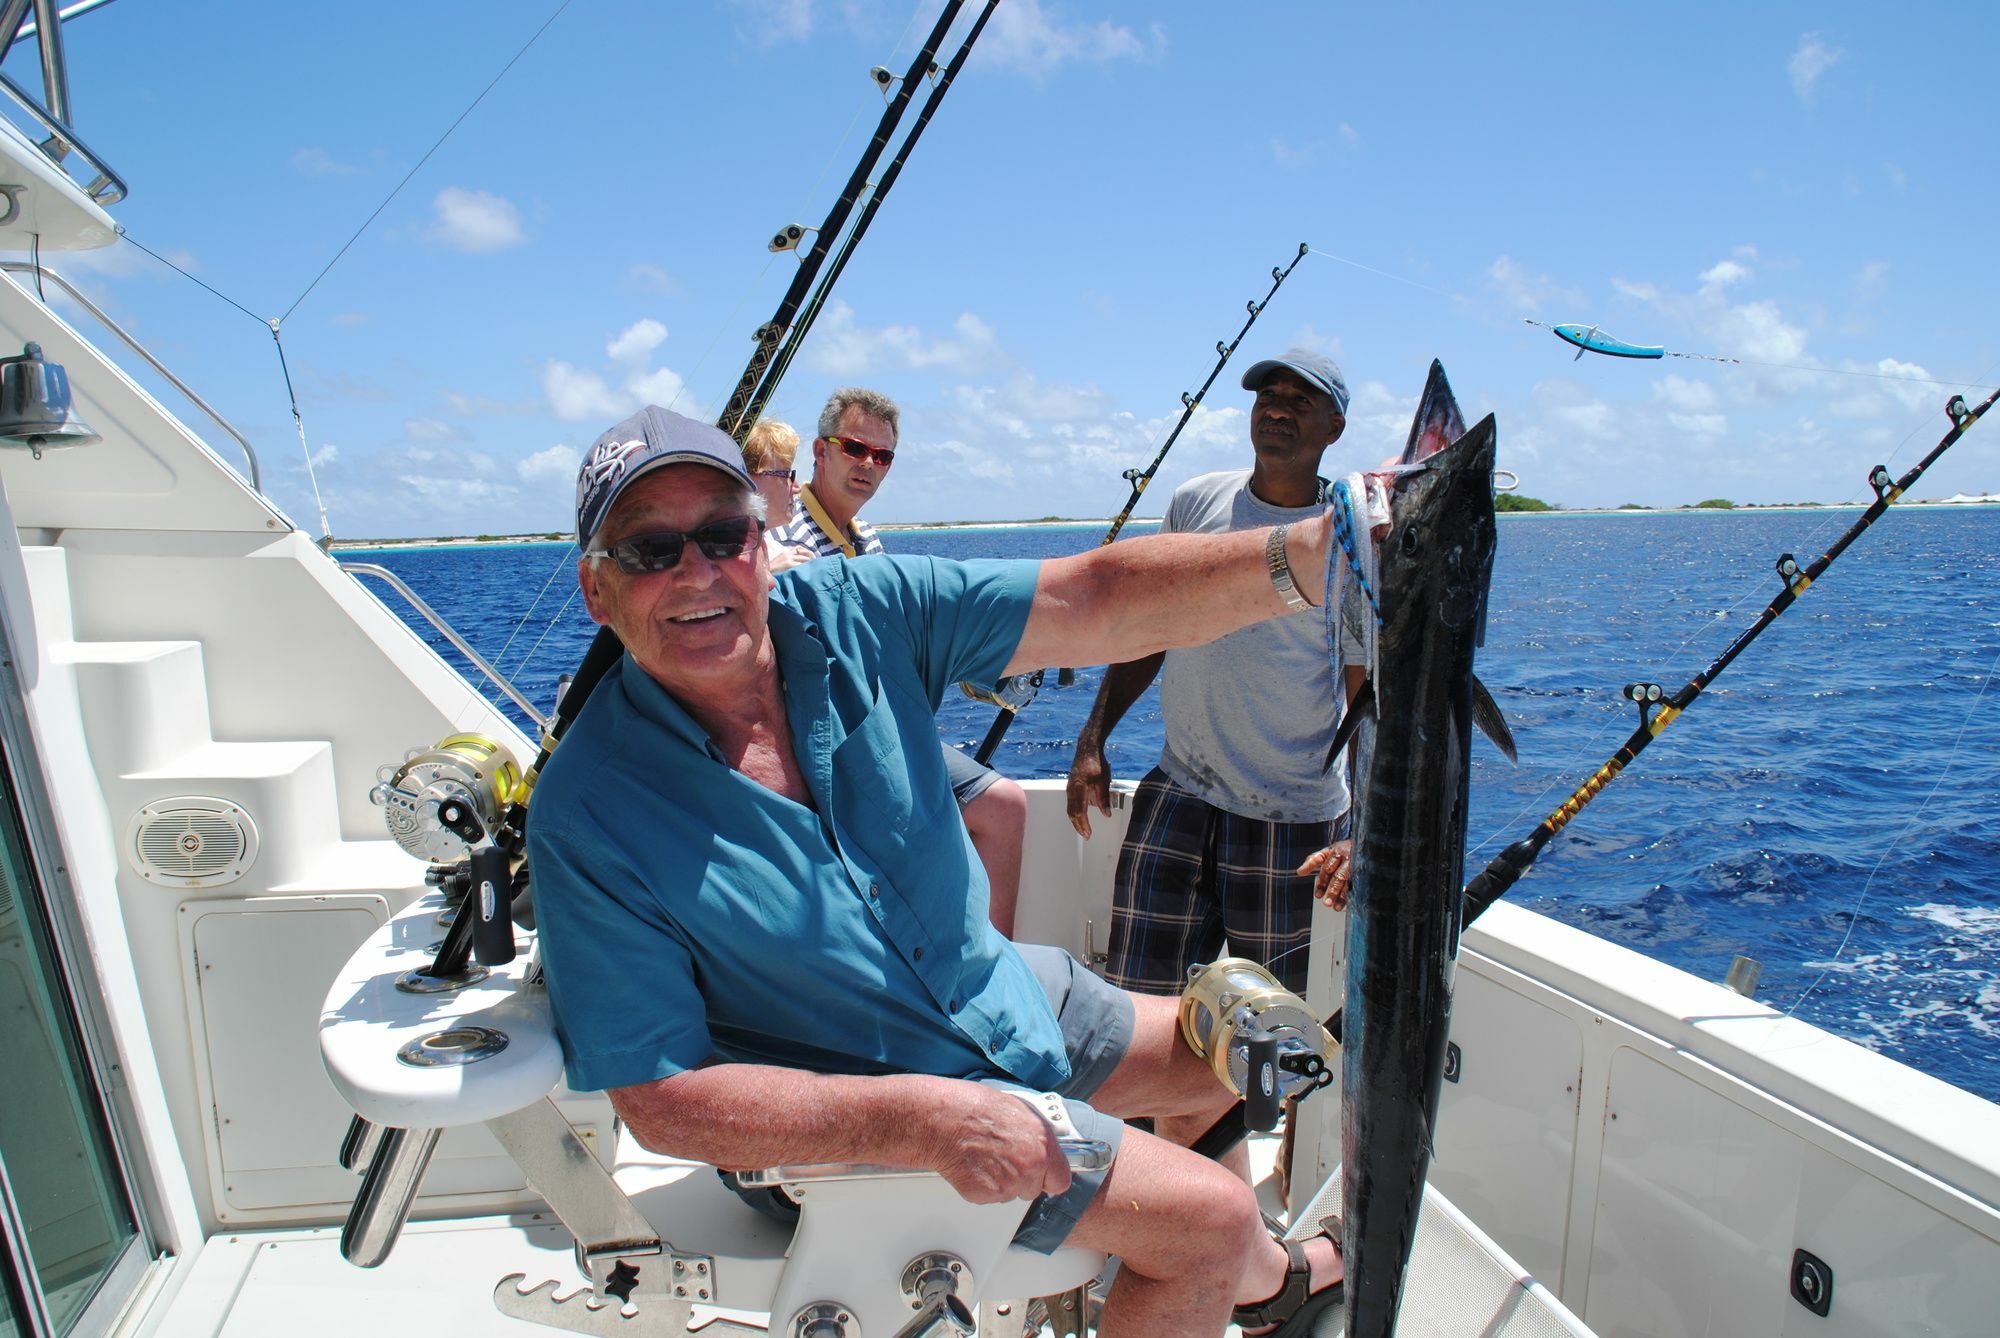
<point>802,531</point>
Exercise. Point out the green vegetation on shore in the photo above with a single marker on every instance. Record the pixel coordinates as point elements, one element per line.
<point>1513,501</point>
<point>1714,504</point>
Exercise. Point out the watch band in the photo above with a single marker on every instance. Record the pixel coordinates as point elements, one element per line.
<point>1281,571</point>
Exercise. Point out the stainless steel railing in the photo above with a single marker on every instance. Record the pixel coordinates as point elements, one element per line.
<point>47,275</point>
<point>449,633</point>
<point>104,186</point>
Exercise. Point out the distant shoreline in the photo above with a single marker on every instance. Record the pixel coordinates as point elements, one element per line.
<point>519,540</point>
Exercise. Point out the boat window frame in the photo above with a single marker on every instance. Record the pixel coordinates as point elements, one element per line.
<point>25,792</point>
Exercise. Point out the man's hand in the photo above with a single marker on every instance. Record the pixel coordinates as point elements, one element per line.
<point>1089,785</point>
<point>992,1148</point>
<point>784,556</point>
<point>1333,873</point>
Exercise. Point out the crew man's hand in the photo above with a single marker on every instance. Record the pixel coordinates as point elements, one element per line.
<point>992,1148</point>
<point>1089,785</point>
<point>1333,873</point>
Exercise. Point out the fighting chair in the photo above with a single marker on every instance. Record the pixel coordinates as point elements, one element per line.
<point>663,1246</point>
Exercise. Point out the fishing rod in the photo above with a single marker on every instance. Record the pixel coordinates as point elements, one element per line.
<point>736,419</point>
<point>1010,703</point>
<point>737,416</point>
<point>1657,710</point>
<point>783,361</point>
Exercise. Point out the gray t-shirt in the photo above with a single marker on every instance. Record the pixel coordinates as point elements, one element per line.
<point>1249,716</point>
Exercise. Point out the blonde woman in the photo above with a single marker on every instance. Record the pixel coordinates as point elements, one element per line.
<point>768,453</point>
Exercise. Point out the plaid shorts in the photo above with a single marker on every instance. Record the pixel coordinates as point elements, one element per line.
<point>1191,876</point>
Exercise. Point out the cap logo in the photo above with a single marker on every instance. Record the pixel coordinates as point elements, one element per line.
<point>607,464</point>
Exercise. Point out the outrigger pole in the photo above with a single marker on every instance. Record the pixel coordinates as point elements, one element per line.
<point>1657,710</point>
<point>760,376</point>
<point>1139,478</point>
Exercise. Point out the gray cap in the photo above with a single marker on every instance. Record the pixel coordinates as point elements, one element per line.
<point>648,439</point>
<point>1315,368</point>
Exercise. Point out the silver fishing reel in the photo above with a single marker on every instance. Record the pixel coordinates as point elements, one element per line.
<point>473,769</point>
<point>1235,1002</point>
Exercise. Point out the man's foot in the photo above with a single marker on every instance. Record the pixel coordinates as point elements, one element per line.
<point>1314,1281</point>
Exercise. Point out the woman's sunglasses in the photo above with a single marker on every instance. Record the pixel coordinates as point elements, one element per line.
<point>719,540</point>
<point>880,456</point>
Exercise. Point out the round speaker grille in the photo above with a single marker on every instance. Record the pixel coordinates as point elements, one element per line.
<point>190,841</point>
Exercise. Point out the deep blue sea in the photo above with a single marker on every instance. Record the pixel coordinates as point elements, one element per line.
<point>1829,806</point>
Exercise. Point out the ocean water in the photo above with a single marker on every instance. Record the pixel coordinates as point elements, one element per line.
<point>1830,805</point>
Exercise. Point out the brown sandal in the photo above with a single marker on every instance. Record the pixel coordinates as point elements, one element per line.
<point>1292,1311</point>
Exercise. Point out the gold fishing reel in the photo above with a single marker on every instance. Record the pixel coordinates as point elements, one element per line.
<point>473,769</point>
<point>1234,1002</point>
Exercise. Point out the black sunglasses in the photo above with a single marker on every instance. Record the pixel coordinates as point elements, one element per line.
<point>719,540</point>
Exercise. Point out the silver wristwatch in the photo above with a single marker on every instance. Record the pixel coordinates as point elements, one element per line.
<point>1281,571</point>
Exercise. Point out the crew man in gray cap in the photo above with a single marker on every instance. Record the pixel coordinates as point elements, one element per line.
<point>1238,801</point>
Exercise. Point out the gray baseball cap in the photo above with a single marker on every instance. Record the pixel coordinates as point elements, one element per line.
<point>1315,368</point>
<point>648,439</point>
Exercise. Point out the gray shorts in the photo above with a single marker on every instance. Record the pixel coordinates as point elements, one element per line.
<point>969,778</point>
<point>1097,1019</point>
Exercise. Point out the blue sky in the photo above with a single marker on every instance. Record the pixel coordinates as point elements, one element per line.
<point>1105,186</point>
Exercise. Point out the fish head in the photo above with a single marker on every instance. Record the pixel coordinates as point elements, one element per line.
<point>1437,423</point>
<point>1444,535</point>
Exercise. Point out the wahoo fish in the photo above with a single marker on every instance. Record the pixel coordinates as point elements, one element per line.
<point>1403,910</point>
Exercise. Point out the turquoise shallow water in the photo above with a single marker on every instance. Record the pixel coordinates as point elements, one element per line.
<point>1840,781</point>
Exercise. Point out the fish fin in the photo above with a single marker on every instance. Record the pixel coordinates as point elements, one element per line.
<point>1486,714</point>
<point>1364,700</point>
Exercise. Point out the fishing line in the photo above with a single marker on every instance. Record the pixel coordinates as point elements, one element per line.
<point>470,107</point>
<point>1449,297</point>
<point>1854,915</point>
<point>1714,622</point>
<point>500,656</point>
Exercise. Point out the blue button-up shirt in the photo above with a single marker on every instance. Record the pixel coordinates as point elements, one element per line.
<point>687,912</point>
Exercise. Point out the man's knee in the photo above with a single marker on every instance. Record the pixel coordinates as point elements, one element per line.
<point>1001,809</point>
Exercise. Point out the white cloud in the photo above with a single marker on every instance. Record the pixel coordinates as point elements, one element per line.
<point>558,462</point>
<point>1722,274</point>
<point>1528,291</point>
<point>1032,40</point>
<point>770,21</point>
<point>469,406</point>
<point>839,347</point>
<point>1292,156</point>
<point>655,279</point>
<point>475,221</point>
<point>324,456</point>
<point>636,341</point>
<point>1812,60</point>
<point>430,429</point>
<point>577,394</point>
<point>1679,393</point>
<point>316,162</point>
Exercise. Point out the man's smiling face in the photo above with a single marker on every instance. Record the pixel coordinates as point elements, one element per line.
<point>701,626</point>
<point>1291,418</point>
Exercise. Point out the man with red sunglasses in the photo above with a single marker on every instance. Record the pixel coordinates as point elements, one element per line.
<point>760,937</point>
<point>851,457</point>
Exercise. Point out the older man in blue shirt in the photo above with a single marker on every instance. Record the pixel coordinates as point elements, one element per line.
<point>765,931</point>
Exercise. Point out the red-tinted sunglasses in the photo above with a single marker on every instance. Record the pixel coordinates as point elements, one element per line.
<point>880,456</point>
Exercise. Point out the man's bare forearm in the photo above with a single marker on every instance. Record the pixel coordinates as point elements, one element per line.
<point>750,1116</point>
<point>1129,600</point>
<point>1123,684</point>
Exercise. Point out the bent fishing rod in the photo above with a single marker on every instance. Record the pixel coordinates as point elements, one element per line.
<point>783,361</point>
<point>1010,703</point>
<point>1657,710</point>
<point>738,417</point>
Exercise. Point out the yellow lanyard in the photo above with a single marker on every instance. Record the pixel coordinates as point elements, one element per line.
<point>823,520</point>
